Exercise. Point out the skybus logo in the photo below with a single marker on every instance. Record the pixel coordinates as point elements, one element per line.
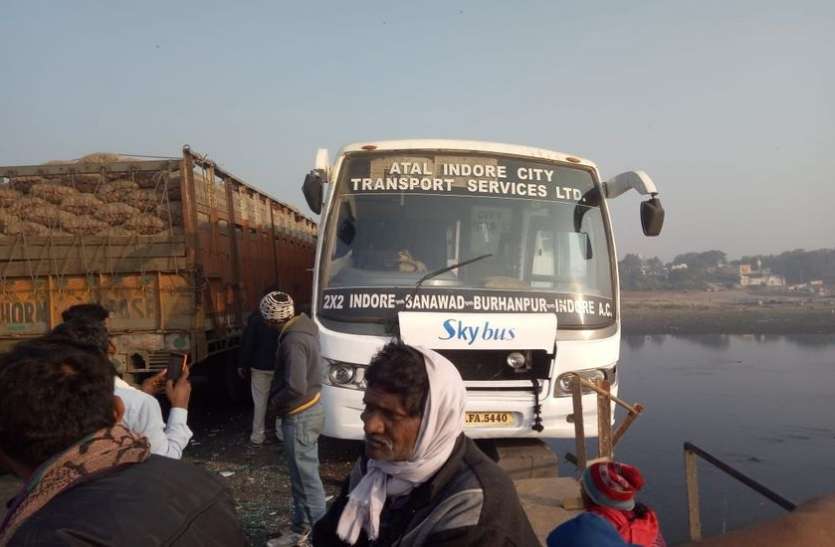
<point>458,330</point>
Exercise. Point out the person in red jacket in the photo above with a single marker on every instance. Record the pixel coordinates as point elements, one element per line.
<point>608,490</point>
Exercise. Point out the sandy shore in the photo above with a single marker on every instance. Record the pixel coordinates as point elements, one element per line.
<point>726,312</point>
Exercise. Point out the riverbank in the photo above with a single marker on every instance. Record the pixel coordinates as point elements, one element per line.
<point>726,312</point>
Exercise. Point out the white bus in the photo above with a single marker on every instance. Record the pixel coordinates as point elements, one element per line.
<point>500,257</point>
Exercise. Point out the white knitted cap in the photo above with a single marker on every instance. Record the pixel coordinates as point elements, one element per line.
<point>277,306</point>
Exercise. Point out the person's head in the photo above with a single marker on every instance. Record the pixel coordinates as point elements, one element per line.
<point>277,308</point>
<point>89,333</point>
<point>53,393</point>
<point>398,386</point>
<point>611,484</point>
<point>86,312</point>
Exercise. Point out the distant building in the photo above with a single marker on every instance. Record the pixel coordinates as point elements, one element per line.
<point>754,275</point>
<point>675,267</point>
<point>815,286</point>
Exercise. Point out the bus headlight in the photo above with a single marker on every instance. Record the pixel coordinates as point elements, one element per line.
<point>516,360</point>
<point>341,374</point>
<point>346,375</point>
<point>562,387</point>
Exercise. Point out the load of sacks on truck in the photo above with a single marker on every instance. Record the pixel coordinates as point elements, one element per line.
<point>91,204</point>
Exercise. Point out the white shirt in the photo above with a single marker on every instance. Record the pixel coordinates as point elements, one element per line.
<point>143,415</point>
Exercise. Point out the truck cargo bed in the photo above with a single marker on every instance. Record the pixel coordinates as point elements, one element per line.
<point>179,250</point>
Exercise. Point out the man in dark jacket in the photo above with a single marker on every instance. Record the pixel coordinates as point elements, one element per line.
<point>88,479</point>
<point>259,343</point>
<point>421,481</point>
<point>294,399</point>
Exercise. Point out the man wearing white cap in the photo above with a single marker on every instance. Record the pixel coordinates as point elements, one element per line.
<point>421,481</point>
<point>294,399</point>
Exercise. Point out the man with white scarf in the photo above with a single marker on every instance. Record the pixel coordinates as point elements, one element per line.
<point>421,481</point>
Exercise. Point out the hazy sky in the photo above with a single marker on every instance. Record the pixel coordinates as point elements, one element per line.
<point>730,106</point>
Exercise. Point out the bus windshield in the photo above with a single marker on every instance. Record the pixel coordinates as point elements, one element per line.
<point>397,216</point>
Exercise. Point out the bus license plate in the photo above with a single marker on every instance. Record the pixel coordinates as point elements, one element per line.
<point>488,419</point>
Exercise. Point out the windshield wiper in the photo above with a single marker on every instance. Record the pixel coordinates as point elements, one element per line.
<point>436,273</point>
<point>393,325</point>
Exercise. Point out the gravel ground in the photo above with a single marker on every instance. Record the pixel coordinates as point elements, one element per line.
<point>257,475</point>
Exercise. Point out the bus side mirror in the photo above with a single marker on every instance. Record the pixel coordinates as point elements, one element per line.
<point>652,216</point>
<point>312,189</point>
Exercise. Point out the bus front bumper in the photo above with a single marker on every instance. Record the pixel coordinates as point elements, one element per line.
<point>344,406</point>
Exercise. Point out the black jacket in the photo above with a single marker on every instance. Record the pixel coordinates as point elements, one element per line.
<point>470,501</point>
<point>298,372</point>
<point>160,501</point>
<point>259,343</point>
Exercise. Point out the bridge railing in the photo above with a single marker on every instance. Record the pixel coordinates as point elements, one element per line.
<point>691,452</point>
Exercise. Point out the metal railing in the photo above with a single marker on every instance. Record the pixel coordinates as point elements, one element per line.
<point>691,451</point>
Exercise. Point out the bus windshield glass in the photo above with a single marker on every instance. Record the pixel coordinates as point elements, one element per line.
<point>398,216</point>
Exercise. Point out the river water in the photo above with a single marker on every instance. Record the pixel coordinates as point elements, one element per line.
<point>763,404</point>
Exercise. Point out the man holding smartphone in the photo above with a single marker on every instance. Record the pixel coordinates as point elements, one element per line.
<point>294,399</point>
<point>87,324</point>
<point>143,413</point>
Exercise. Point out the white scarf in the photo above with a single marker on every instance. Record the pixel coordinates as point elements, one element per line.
<point>442,423</point>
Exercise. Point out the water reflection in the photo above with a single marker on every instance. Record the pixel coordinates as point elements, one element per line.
<point>635,342</point>
<point>763,403</point>
<point>717,341</point>
<point>658,339</point>
<point>805,341</point>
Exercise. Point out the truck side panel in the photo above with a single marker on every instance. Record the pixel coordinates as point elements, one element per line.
<point>152,302</point>
<point>180,251</point>
<point>248,243</point>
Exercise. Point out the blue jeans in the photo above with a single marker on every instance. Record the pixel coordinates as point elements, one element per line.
<point>301,444</point>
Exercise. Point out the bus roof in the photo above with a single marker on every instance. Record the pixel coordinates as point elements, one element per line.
<point>466,146</point>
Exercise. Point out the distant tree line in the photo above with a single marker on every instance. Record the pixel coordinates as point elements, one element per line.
<point>702,270</point>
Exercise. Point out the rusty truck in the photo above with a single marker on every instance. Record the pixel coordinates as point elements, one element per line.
<point>179,250</point>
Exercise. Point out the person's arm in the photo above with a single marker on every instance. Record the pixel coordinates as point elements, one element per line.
<point>460,519</point>
<point>293,363</point>
<point>165,439</point>
<point>149,423</point>
<point>456,521</point>
<point>177,432</point>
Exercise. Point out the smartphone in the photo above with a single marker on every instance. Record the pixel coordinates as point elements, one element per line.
<point>176,363</point>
